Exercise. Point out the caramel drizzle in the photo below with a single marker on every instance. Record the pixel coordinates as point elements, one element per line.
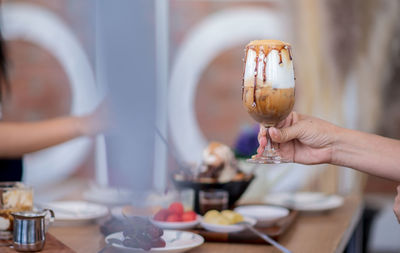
<point>265,66</point>
<point>244,69</point>
<point>255,81</point>
<point>289,49</point>
<point>257,50</point>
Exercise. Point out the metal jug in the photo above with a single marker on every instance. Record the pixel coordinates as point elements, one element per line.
<point>30,229</point>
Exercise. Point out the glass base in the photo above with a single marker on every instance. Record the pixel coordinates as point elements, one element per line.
<point>266,160</point>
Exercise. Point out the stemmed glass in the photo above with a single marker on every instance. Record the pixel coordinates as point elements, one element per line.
<point>268,89</point>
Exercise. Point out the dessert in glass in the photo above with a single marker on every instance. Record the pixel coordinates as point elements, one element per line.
<point>268,89</point>
<point>14,197</point>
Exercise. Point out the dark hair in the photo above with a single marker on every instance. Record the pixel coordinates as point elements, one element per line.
<point>4,84</point>
<point>3,69</point>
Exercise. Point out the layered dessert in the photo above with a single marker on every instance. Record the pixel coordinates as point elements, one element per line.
<point>14,197</point>
<point>219,165</point>
<point>268,81</point>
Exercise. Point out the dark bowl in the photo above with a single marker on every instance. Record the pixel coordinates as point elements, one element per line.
<point>234,188</point>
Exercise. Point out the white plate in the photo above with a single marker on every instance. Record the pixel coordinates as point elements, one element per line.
<point>117,212</point>
<point>108,196</point>
<point>77,212</point>
<point>176,242</point>
<point>227,228</point>
<point>265,215</point>
<point>305,201</point>
<point>176,225</point>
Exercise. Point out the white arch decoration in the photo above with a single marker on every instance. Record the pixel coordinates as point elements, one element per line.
<point>206,40</point>
<point>37,25</point>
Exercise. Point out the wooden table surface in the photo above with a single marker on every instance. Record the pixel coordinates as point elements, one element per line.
<point>319,232</point>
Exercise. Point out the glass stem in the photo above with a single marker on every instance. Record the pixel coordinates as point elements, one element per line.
<point>268,149</point>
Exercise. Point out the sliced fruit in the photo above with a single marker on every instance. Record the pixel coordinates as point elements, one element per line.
<point>174,218</point>
<point>189,216</point>
<point>161,215</point>
<point>176,208</point>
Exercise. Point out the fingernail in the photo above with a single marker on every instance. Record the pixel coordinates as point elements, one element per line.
<point>273,131</point>
<point>263,131</point>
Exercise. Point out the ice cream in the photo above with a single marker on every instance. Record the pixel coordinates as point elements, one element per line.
<point>219,162</point>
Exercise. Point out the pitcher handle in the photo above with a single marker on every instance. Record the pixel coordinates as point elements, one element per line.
<point>50,220</point>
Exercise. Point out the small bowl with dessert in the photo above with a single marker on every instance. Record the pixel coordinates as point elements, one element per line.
<point>218,171</point>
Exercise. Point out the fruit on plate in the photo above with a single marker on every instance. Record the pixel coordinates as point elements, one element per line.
<point>232,216</point>
<point>189,216</point>
<point>226,217</point>
<point>141,233</point>
<point>175,213</point>
<point>176,208</point>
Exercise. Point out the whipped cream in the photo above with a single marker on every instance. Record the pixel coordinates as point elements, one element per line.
<point>278,75</point>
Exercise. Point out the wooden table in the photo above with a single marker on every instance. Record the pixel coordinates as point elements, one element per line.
<point>323,232</point>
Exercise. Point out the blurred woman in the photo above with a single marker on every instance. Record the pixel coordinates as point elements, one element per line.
<point>17,139</point>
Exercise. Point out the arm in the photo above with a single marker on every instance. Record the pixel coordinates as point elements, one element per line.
<point>310,140</point>
<point>17,138</point>
<point>369,153</point>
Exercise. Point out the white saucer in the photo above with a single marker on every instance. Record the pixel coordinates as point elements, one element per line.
<point>265,215</point>
<point>227,228</point>
<point>176,225</point>
<point>305,201</point>
<point>176,242</point>
<point>76,212</point>
<point>108,195</point>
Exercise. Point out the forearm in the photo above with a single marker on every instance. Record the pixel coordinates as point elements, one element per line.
<point>369,153</point>
<point>17,139</point>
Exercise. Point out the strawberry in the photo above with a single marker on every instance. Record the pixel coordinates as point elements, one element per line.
<point>189,216</point>
<point>161,215</point>
<point>173,217</point>
<point>176,208</point>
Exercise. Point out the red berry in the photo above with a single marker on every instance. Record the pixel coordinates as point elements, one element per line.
<point>174,218</point>
<point>158,243</point>
<point>189,216</point>
<point>176,208</point>
<point>161,215</point>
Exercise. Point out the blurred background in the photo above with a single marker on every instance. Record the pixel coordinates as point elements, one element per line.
<point>178,64</point>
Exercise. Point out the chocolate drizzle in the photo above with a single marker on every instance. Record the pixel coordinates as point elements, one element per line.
<point>289,50</point>
<point>265,66</point>
<point>255,81</point>
<point>280,56</point>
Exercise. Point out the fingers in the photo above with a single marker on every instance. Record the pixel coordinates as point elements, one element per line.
<point>262,140</point>
<point>285,134</point>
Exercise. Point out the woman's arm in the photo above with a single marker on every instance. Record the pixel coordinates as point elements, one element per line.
<point>369,153</point>
<point>310,140</point>
<point>18,138</point>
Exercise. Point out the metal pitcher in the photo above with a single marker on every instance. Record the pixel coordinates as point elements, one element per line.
<point>30,229</point>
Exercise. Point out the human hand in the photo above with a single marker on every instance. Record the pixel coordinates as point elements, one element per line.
<point>303,139</point>
<point>95,122</point>
<point>396,206</point>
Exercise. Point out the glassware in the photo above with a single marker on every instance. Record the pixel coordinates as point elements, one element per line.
<point>268,89</point>
<point>14,197</point>
<point>213,200</point>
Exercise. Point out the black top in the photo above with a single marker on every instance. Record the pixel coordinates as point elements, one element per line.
<point>10,170</point>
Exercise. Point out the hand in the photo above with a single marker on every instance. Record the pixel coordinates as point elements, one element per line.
<point>396,206</point>
<point>303,139</point>
<point>95,122</point>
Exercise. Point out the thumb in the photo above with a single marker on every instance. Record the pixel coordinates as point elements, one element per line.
<point>284,134</point>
